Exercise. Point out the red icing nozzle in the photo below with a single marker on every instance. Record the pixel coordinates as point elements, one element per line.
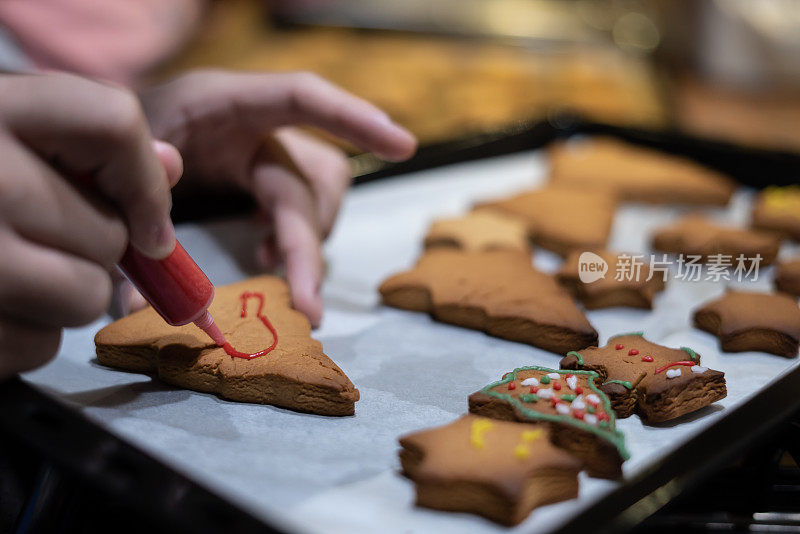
<point>206,324</point>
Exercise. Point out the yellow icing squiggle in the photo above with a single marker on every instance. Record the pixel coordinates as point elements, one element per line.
<point>783,199</point>
<point>477,431</point>
<point>521,451</point>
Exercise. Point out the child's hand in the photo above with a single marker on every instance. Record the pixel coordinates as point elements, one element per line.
<point>59,241</point>
<point>231,127</point>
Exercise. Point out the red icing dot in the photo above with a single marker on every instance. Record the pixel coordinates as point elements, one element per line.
<point>602,416</point>
<point>534,389</point>
<point>569,375</point>
<point>556,385</point>
<point>512,385</point>
<point>554,400</point>
<point>633,352</point>
<point>620,346</point>
<point>578,414</point>
<point>578,390</point>
<point>647,358</point>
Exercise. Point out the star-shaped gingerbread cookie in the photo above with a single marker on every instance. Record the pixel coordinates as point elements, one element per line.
<point>497,469</point>
<point>657,382</point>
<point>743,321</point>
<point>578,414</point>
<point>295,374</point>
<point>637,173</point>
<point>777,209</point>
<point>694,235</point>
<point>479,230</point>
<point>562,219</point>
<point>628,281</point>
<point>498,292</point>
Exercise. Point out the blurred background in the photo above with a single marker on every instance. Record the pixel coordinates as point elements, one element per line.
<point>721,69</point>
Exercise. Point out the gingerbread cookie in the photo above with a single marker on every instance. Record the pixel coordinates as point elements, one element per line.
<point>787,277</point>
<point>498,292</point>
<point>496,469</point>
<point>697,236</point>
<point>252,314</point>
<point>479,230</point>
<point>562,219</point>
<point>777,209</point>
<point>766,322</point>
<point>656,382</point>
<point>577,413</point>
<point>637,173</point>
<point>628,280</point>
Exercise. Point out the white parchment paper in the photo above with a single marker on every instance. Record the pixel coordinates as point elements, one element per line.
<point>323,474</point>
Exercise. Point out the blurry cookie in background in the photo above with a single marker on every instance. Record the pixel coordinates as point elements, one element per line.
<point>479,230</point>
<point>777,209</point>
<point>744,321</point>
<point>498,292</point>
<point>787,277</point>
<point>606,279</point>
<point>562,219</point>
<point>636,173</point>
<point>697,236</point>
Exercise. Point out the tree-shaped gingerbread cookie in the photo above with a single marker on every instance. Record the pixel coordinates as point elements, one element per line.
<point>569,403</point>
<point>271,357</point>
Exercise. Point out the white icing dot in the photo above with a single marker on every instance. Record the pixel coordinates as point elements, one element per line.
<point>572,382</point>
<point>545,393</point>
<point>562,408</point>
<point>590,418</point>
<point>591,398</point>
<point>673,373</point>
<point>578,405</point>
<point>530,382</point>
<point>699,369</point>
<point>553,376</point>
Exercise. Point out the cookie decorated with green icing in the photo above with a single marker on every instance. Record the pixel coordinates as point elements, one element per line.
<point>658,383</point>
<point>578,413</point>
<point>497,469</point>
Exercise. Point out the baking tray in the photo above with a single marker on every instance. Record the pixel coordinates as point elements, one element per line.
<point>753,167</point>
<point>347,467</point>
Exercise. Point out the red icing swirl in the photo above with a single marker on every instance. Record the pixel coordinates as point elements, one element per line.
<point>673,364</point>
<point>235,353</point>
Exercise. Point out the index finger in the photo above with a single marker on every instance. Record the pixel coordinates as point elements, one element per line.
<point>304,98</point>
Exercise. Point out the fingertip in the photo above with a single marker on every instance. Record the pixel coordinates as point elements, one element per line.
<point>171,159</point>
<point>398,143</point>
<point>164,234</point>
<point>309,303</point>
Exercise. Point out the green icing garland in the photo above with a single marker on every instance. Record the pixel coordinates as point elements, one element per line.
<point>577,355</point>
<point>692,354</point>
<point>615,437</point>
<point>620,382</point>
<point>640,334</point>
